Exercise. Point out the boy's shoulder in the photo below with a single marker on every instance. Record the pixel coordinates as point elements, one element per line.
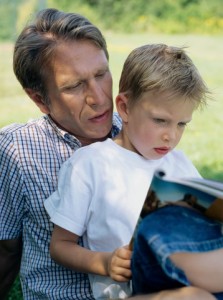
<point>97,148</point>
<point>178,164</point>
<point>96,153</point>
<point>177,154</point>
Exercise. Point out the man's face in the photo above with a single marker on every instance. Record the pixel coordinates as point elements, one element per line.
<point>79,86</point>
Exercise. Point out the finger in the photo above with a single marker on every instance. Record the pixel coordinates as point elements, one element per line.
<point>127,247</point>
<point>124,253</point>
<point>124,263</point>
<point>120,262</point>
<point>122,275</point>
<point>121,270</point>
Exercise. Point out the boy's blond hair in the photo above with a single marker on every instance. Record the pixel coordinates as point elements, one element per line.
<point>161,68</point>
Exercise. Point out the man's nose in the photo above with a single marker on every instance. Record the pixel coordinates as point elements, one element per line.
<point>94,94</point>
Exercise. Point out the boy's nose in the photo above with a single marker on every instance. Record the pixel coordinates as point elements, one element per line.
<point>165,137</point>
<point>170,135</point>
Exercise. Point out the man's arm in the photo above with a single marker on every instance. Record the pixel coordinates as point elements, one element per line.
<point>10,258</point>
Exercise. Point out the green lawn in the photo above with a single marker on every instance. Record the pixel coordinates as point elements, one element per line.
<point>202,140</point>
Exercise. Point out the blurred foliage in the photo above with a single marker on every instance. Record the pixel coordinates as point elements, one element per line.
<point>8,16</point>
<point>23,13</point>
<point>129,16</point>
<point>16,291</point>
<point>166,16</point>
<point>152,16</point>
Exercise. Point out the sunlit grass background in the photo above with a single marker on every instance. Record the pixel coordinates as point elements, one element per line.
<point>203,138</point>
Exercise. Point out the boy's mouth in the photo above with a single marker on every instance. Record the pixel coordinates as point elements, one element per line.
<point>162,150</point>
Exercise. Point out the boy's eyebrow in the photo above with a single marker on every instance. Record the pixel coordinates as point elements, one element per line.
<point>160,115</point>
<point>188,121</point>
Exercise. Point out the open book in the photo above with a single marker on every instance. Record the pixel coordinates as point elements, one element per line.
<point>202,194</point>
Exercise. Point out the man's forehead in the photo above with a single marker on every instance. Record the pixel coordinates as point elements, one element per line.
<point>76,61</point>
<point>77,47</point>
<point>79,54</point>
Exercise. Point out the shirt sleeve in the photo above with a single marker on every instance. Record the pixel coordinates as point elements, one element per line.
<point>69,206</point>
<point>11,189</point>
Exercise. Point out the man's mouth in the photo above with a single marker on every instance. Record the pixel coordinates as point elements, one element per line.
<point>100,117</point>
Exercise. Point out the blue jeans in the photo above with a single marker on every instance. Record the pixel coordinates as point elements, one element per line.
<point>168,230</point>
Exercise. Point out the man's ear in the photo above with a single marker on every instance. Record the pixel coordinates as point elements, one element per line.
<point>38,100</point>
<point>122,106</point>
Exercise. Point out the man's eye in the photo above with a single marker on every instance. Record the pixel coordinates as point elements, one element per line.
<point>100,74</point>
<point>73,87</point>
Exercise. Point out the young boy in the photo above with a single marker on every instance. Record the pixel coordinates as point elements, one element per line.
<point>102,187</point>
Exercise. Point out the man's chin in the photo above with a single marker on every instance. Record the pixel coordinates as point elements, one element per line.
<point>94,138</point>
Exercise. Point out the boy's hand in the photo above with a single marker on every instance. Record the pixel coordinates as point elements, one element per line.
<point>119,264</point>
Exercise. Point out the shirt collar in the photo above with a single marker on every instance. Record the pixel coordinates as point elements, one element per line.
<point>71,139</point>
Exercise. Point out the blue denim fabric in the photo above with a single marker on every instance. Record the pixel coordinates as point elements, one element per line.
<point>168,230</point>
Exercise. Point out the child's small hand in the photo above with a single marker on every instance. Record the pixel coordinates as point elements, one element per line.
<point>119,264</point>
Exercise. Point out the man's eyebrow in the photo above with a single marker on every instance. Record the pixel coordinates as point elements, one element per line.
<point>103,68</point>
<point>67,84</point>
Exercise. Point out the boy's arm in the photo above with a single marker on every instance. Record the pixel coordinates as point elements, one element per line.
<point>65,251</point>
<point>184,293</point>
<point>10,258</point>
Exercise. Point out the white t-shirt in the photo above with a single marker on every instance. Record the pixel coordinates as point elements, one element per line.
<point>100,194</point>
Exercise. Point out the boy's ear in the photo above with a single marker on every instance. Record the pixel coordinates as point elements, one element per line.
<point>38,100</point>
<point>122,106</point>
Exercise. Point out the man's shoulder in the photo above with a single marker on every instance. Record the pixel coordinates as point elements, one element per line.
<point>16,135</point>
<point>116,124</point>
<point>15,128</point>
<point>117,119</point>
<point>12,128</point>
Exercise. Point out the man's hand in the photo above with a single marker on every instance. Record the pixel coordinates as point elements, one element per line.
<point>119,264</point>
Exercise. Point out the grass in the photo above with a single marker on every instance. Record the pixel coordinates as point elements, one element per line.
<point>202,140</point>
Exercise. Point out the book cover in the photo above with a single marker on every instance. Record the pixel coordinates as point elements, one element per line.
<point>203,194</point>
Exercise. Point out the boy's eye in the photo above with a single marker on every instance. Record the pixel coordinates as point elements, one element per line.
<point>160,121</point>
<point>182,124</point>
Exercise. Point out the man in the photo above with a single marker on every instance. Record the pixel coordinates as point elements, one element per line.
<point>61,61</point>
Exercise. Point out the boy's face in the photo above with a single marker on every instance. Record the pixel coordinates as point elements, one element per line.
<point>155,124</point>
